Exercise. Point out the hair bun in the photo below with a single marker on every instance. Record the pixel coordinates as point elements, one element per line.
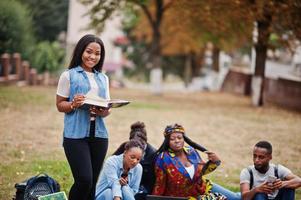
<point>138,131</point>
<point>137,126</point>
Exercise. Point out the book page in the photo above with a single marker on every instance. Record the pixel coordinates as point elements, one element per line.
<point>92,98</point>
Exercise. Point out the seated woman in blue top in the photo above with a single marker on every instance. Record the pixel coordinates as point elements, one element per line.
<point>138,131</point>
<point>121,174</point>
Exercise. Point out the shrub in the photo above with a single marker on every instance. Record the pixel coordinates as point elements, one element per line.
<point>47,56</point>
<point>16,33</point>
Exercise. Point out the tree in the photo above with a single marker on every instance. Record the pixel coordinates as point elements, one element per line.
<point>154,11</point>
<point>189,25</point>
<point>271,16</point>
<point>47,56</point>
<point>177,41</point>
<point>16,33</point>
<point>49,17</point>
<point>216,22</point>
<point>233,19</point>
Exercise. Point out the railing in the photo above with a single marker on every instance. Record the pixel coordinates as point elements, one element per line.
<point>13,70</point>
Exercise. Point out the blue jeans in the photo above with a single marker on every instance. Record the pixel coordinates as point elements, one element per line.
<point>107,194</point>
<point>284,194</point>
<point>229,194</point>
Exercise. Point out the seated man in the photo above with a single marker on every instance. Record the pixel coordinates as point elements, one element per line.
<point>267,181</point>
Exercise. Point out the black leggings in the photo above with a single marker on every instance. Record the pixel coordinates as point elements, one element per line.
<point>85,157</point>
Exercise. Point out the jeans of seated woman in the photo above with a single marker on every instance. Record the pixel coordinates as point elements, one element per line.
<point>229,194</point>
<point>127,194</point>
<point>284,194</point>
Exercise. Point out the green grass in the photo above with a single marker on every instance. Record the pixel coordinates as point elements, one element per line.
<point>18,97</point>
<point>31,131</point>
<point>19,171</point>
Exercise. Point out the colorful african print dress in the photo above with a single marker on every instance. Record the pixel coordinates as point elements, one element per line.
<point>172,179</point>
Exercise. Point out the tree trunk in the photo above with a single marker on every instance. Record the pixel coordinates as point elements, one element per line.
<point>187,69</point>
<point>215,59</point>
<point>200,61</point>
<point>261,48</point>
<point>197,60</point>
<point>156,56</point>
<point>156,59</point>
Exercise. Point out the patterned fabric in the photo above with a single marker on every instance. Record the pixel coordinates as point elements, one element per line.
<point>212,196</point>
<point>172,179</point>
<point>172,129</point>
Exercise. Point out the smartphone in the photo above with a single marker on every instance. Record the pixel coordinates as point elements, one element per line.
<point>124,175</point>
<point>271,179</point>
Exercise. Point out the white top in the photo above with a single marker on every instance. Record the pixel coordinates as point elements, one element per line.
<point>63,88</point>
<point>190,171</point>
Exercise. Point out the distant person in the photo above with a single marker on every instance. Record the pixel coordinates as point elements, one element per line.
<point>121,174</point>
<point>138,132</point>
<point>179,169</point>
<point>85,135</point>
<point>264,180</point>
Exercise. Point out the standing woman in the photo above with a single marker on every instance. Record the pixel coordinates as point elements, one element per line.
<point>85,135</point>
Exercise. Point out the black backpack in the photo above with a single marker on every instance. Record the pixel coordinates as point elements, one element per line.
<point>252,176</point>
<point>36,186</point>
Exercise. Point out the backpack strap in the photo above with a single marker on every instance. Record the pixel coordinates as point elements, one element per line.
<point>276,171</point>
<point>251,177</point>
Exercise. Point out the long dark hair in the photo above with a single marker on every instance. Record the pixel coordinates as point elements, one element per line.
<point>80,47</point>
<point>170,129</point>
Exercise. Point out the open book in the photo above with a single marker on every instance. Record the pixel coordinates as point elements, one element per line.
<point>92,99</point>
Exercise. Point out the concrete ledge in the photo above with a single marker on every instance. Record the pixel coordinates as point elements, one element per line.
<point>237,82</point>
<point>283,92</point>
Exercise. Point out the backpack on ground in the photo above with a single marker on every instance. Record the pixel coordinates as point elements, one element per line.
<point>36,186</point>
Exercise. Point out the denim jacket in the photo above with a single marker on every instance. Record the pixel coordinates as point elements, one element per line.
<point>77,122</point>
<point>111,173</point>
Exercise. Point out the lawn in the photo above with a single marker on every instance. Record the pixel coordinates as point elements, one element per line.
<point>31,131</point>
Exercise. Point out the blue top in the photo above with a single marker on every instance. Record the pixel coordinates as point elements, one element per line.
<point>111,173</point>
<point>77,122</point>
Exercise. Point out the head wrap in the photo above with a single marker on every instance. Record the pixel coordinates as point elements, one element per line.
<point>175,128</point>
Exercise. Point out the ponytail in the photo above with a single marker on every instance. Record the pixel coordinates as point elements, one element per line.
<point>193,144</point>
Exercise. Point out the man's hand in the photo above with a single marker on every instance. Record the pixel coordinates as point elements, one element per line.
<point>264,188</point>
<point>277,184</point>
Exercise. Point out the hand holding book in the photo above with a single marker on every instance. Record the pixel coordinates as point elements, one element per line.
<point>92,99</point>
<point>99,111</point>
<point>77,101</point>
